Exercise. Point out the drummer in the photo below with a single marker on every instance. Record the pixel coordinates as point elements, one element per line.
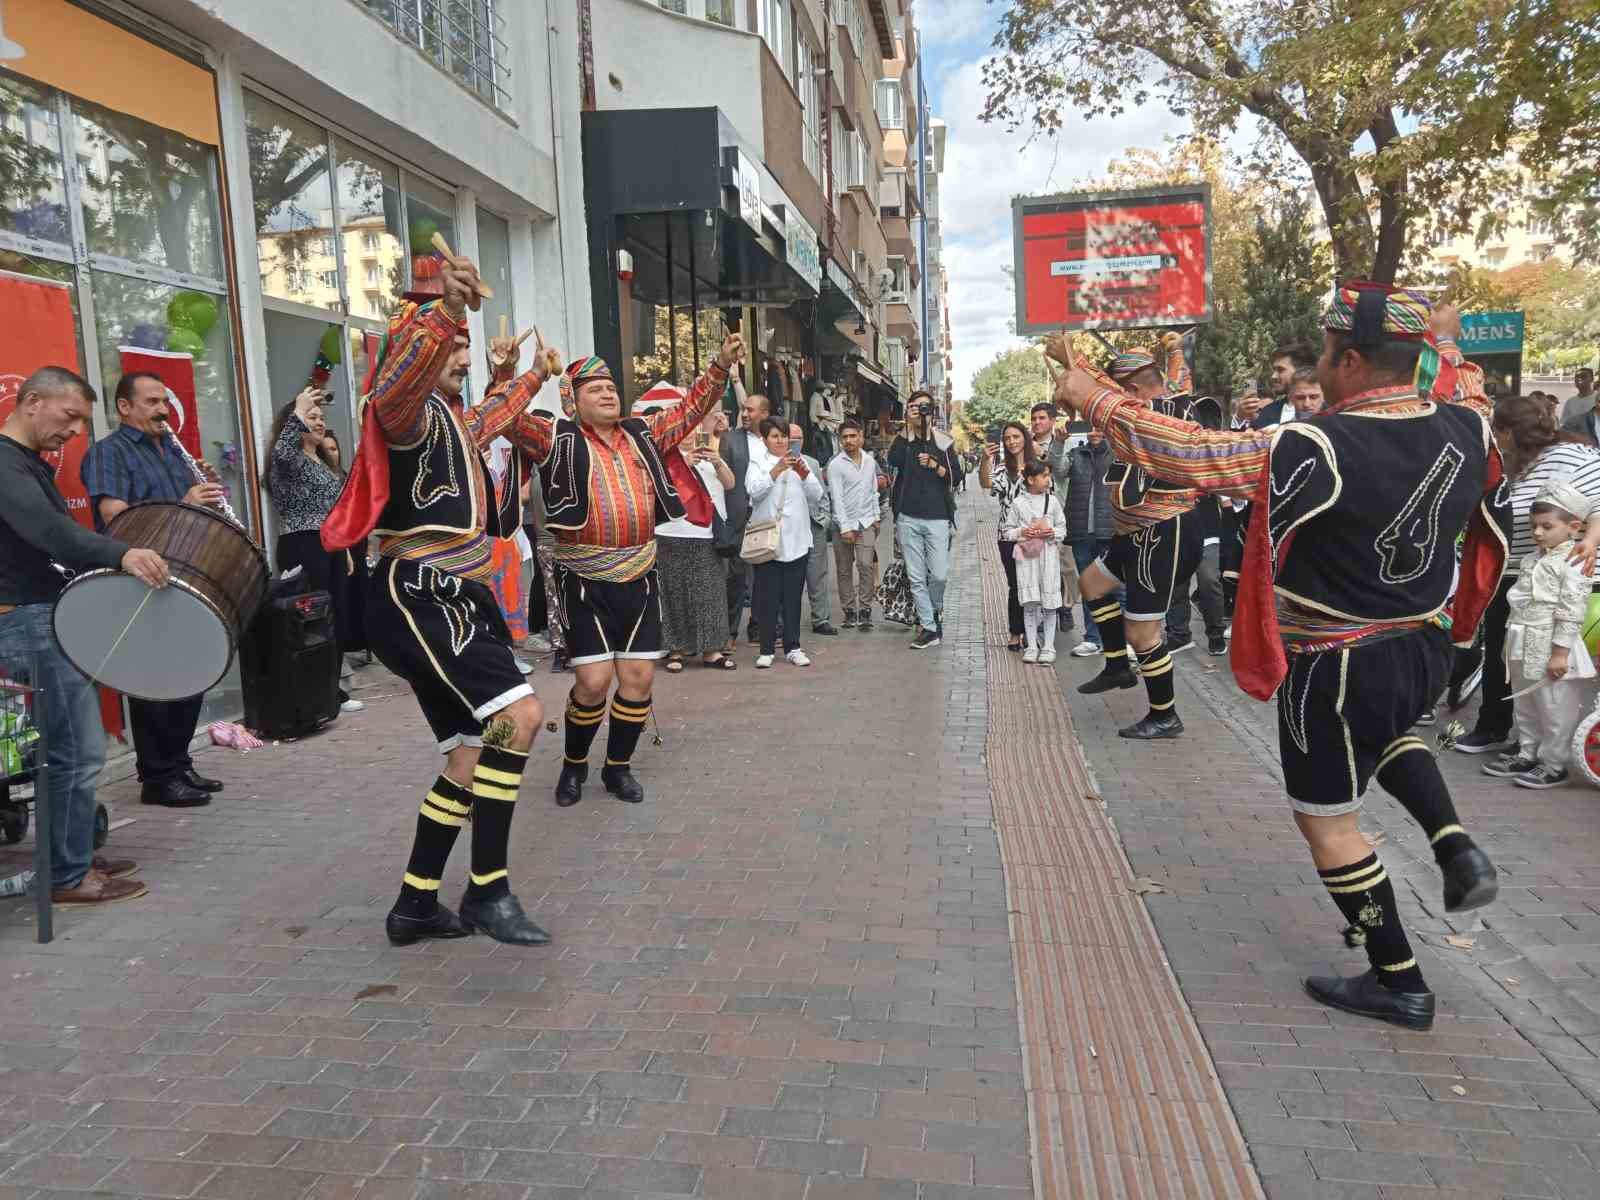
<point>142,461</point>
<point>54,405</point>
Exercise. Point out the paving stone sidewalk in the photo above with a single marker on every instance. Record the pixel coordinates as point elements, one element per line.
<point>785,977</point>
<point>1499,1100</point>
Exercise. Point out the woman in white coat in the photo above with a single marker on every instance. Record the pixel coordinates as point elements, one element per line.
<point>781,489</point>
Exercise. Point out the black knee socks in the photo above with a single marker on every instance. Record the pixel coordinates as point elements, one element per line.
<point>1155,664</point>
<point>495,781</point>
<point>1409,772</point>
<point>628,719</point>
<point>444,811</point>
<point>583,722</point>
<point>1107,616</point>
<point>1366,899</point>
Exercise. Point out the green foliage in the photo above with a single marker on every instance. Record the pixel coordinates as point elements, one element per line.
<point>1008,387</point>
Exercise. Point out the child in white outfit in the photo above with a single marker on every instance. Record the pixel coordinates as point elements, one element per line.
<point>1037,524</point>
<point>1549,667</point>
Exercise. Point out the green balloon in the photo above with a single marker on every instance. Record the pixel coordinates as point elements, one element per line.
<point>182,340</point>
<point>192,310</point>
<point>333,344</point>
<point>422,231</point>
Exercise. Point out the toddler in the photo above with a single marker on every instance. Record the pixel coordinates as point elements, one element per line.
<point>1037,524</point>
<point>1546,660</point>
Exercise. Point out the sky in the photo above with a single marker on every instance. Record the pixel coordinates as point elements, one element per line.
<point>985,166</point>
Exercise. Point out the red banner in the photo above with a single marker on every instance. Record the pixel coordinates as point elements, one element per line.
<point>1113,261</point>
<point>40,332</point>
<point>177,372</point>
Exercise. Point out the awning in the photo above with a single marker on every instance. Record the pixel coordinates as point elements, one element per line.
<point>875,375</point>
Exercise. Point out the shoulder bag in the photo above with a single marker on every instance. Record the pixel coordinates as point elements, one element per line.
<point>760,543</point>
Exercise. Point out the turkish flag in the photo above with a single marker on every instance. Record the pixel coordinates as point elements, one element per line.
<point>177,372</point>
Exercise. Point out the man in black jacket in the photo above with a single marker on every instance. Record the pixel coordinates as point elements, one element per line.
<point>736,448</point>
<point>1089,521</point>
<point>926,472</point>
<point>36,532</point>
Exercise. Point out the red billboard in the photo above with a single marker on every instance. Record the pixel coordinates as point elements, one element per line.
<point>1113,260</point>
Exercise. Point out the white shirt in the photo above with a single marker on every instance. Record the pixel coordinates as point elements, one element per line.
<point>854,490</point>
<point>682,527</point>
<point>794,523</point>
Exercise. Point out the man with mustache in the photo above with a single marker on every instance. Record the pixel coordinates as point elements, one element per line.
<point>141,461</point>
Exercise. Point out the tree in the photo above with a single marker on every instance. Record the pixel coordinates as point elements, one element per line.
<point>1397,108</point>
<point>1008,387</point>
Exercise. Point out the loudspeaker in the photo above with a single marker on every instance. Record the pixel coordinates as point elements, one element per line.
<point>289,665</point>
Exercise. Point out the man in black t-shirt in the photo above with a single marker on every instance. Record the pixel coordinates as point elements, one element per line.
<point>926,470</point>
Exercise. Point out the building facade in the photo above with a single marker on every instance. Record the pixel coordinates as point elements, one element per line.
<point>231,187</point>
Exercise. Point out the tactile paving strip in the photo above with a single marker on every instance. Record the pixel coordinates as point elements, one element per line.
<point>1123,1097</point>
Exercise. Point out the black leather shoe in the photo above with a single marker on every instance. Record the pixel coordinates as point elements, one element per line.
<point>196,780</point>
<point>173,793</point>
<point>1366,996</point>
<point>1470,881</point>
<point>440,923</point>
<point>569,788</point>
<point>1152,728</point>
<point>502,919</point>
<point>824,629</point>
<point>1109,680</point>
<point>620,783</point>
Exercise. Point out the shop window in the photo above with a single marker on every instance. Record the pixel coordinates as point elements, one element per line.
<point>429,210</point>
<point>33,190</point>
<point>369,208</point>
<point>494,264</point>
<point>293,201</point>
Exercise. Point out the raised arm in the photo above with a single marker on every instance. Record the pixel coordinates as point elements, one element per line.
<point>1179,379</point>
<point>418,353</point>
<point>671,426</point>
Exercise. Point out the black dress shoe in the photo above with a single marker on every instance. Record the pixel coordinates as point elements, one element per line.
<point>824,629</point>
<point>1470,881</point>
<point>440,923</point>
<point>502,919</point>
<point>1108,680</point>
<point>569,788</point>
<point>620,783</point>
<point>196,780</point>
<point>173,793</point>
<point>1366,996</point>
<point>1153,728</point>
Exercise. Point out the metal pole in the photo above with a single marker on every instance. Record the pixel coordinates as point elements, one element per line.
<point>42,883</point>
<point>672,325</point>
<point>922,193</point>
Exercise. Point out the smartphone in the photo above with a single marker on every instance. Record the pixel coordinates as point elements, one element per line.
<point>702,440</point>
<point>794,447</point>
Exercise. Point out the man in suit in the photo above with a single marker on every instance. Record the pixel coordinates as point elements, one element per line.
<point>737,447</point>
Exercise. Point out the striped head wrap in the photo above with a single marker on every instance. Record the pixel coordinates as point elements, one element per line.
<point>1373,313</point>
<point>404,313</point>
<point>1130,363</point>
<point>579,372</point>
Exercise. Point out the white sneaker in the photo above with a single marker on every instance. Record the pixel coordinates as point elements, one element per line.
<point>1085,650</point>
<point>1047,655</point>
<point>1031,654</point>
<point>523,665</point>
<point>1228,632</point>
<point>352,706</point>
<point>797,658</point>
<point>538,643</point>
<point>763,661</point>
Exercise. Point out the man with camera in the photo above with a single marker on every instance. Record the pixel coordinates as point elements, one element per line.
<point>926,472</point>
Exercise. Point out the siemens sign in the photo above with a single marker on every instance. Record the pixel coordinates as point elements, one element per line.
<point>1491,333</point>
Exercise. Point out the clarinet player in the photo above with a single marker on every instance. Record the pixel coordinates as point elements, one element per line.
<point>142,460</point>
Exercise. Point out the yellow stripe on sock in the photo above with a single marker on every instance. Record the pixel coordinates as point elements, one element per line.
<point>449,805</point>
<point>481,880</point>
<point>1106,613</point>
<point>619,762</point>
<point>1444,833</point>
<point>493,776</point>
<point>586,719</point>
<point>1116,654</point>
<point>421,884</point>
<point>486,792</point>
<point>1365,885</point>
<point>1398,748</point>
<point>1155,670</point>
<point>637,711</point>
<point>576,762</point>
<point>1162,707</point>
<point>1353,875</point>
<point>440,817</point>
<point>1403,966</point>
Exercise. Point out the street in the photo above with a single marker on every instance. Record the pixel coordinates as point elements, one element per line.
<point>795,972</point>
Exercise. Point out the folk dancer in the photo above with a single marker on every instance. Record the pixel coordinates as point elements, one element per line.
<point>1159,540</point>
<point>431,618</point>
<point>606,488</point>
<point>1342,602</point>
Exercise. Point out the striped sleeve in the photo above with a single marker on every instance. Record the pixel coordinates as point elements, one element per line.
<point>415,357</point>
<point>1180,452</point>
<point>671,426</point>
<point>502,405</point>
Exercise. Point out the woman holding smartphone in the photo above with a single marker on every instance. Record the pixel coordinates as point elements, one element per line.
<point>782,489</point>
<point>303,488</point>
<point>694,587</point>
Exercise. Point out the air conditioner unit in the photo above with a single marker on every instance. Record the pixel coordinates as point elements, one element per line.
<point>927,162</point>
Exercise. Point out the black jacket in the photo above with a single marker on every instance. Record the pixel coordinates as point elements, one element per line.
<point>735,451</point>
<point>1088,497</point>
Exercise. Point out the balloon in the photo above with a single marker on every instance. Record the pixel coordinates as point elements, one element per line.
<point>332,345</point>
<point>148,337</point>
<point>422,231</point>
<point>193,310</point>
<point>186,341</point>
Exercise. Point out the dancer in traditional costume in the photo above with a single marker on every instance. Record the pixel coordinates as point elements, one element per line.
<point>1159,542</point>
<point>1342,608</point>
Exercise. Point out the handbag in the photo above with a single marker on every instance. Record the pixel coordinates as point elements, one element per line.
<point>894,595</point>
<point>760,543</point>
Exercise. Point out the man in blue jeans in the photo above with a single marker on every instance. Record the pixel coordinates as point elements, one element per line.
<point>1088,509</point>
<point>36,532</point>
<point>926,470</point>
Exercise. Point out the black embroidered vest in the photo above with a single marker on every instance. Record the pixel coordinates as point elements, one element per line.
<point>433,484</point>
<point>564,476</point>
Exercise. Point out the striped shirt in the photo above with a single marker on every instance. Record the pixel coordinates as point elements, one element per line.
<point>1578,465</point>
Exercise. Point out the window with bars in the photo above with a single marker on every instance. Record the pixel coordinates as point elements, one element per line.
<point>464,37</point>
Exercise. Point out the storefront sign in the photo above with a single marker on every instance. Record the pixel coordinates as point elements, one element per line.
<point>747,182</point>
<point>801,248</point>
<point>1491,333</point>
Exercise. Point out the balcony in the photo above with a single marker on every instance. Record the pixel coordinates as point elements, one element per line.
<point>897,235</point>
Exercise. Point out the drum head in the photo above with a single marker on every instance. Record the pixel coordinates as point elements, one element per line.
<point>177,646</point>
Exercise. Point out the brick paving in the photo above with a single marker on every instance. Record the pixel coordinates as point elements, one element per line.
<point>787,976</point>
<point>1500,1098</point>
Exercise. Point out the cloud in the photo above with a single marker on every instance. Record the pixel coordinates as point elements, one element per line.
<point>985,166</point>
<point>954,23</point>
